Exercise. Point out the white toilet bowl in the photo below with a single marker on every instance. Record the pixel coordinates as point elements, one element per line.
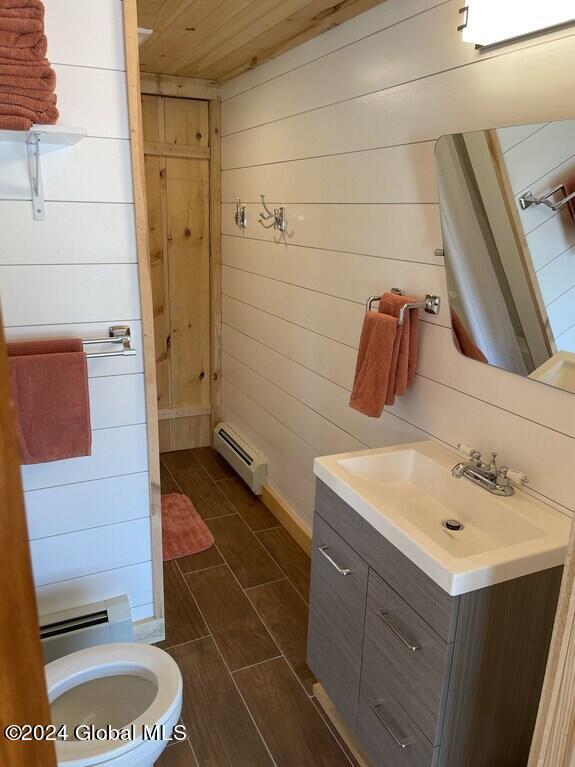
<point>131,687</point>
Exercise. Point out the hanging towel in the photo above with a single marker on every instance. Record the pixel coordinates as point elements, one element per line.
<point>463,341</point>
<point>49,384</point>
<point>569,185</point>
<point>377,347</point>
<point>403,374</point>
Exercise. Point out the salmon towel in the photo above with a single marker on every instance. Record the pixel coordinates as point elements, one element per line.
<point>49,385</point>
<point>378,350</point>
<point>183,530</point>
<point>27,81</point>
<point>463,341</point>
<point>403,373</point>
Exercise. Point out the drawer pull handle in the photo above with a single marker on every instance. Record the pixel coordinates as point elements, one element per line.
<point>393,728</point>
<point>341,570</point>
<point>413,646</point>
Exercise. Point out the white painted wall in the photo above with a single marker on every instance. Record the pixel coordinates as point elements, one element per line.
<point>75,274</point>
<point>538,159</point>
<point>341,131</point>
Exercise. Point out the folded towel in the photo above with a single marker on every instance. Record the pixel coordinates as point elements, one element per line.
<point>33,48</point>
<point>10,4</point>
<point>44,113</point>
<point>403,373</point>
<point>49,384</point>
<point>374,360</point>
<point>463,341</point>
<point>22,21</point>
<point>12,122</point>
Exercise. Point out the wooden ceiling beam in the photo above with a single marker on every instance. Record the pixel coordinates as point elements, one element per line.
<point>180,87</point>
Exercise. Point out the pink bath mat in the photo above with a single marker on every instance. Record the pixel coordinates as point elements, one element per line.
<point>183,530</point>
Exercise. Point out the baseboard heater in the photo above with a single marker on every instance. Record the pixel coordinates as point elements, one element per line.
<point>249,464</point>
<point>85,626</point>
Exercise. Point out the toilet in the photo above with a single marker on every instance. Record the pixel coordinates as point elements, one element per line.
<point>133,688</point>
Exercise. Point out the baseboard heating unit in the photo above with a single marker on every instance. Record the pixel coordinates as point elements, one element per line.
<point>249,464</point>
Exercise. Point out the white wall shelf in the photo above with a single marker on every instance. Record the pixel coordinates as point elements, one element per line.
<point>49,134</point>
<point>55,135</point>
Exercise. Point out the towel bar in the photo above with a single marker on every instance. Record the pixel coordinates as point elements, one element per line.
<point>432,304</point>
<point>528,199</point>
<point>119,334</point>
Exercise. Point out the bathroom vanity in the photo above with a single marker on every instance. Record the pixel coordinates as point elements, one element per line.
<point>430,675</point>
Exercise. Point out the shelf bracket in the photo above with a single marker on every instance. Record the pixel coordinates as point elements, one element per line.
<point>35,173</point>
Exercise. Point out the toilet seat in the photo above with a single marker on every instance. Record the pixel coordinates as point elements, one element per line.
<point>112,660</point>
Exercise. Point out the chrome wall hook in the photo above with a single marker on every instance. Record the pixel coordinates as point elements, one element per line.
<point>241,217</point>
<point>276,218</point>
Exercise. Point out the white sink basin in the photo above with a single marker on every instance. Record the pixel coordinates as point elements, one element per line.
<point>406,492</point>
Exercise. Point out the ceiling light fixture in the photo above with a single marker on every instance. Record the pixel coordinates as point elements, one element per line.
<point>489,22</point>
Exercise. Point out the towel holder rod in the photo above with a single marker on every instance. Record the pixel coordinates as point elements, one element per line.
<point>529,199</point>
<point>431,305</point>
<point>118,334</point>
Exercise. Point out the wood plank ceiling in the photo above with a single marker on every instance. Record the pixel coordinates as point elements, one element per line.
<point>219,39</point>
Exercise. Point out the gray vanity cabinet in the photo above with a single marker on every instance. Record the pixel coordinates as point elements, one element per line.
<point>337,618</point>
<point>422,678</point>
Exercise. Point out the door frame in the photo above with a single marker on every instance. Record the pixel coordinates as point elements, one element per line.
<point>24,700</point>
<point>152,630</point>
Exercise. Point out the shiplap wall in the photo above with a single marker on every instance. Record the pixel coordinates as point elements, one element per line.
<point>341,131</point>
<point>75,274</point>
<point>538,159</point>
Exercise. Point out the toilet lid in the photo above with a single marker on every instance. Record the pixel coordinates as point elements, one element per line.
<point>108,660</point>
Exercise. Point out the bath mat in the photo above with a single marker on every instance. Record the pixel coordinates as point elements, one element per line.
<point>183,530</point>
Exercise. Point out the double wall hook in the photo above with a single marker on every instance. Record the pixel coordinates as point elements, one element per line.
<point>277,217</point>
<point>241,217</point>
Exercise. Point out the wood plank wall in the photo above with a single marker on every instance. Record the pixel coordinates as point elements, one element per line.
<point>341,131</point>
<point>74,275</point>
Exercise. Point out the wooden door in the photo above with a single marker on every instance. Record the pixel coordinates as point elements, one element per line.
<point>177,161</point>
<point>23,697</point>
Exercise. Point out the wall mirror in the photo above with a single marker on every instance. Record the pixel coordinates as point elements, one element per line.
<point>507,200</point>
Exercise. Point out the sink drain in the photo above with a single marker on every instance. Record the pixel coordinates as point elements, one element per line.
<point>452,524</point>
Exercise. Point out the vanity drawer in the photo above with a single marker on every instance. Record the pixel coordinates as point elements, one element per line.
<point>336,618</point>
<point>429,600</point>
<point>389,736</point>
<point>404,657</point>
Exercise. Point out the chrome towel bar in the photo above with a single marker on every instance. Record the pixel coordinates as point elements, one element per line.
<point>119,334</point>
<point>432,304</point>
<point>528,199</point>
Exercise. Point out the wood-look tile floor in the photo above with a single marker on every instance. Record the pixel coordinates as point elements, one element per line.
<point>236,623</point>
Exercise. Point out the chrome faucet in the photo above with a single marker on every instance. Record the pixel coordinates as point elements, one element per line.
<point>496,479</point>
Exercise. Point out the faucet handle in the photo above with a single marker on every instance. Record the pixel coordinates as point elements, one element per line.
<point>517,477</point>
<point>474,454</point>
<point>507,475</point>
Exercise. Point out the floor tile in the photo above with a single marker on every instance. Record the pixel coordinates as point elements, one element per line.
<point>294,731</point>
<point>203,492</point>
<point>201,561</point>
<point>167,483</point>
<point>249,561</point>
<point>290,557</point>
<point>177,755</point>
<point>179,460</point>
<point>233,622</point>
<point>183,619</point>
<point>213,463</point>
<point>285,614</point>
<point>249,506</point>
<point>218,724</point>
<point>342,744</point>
